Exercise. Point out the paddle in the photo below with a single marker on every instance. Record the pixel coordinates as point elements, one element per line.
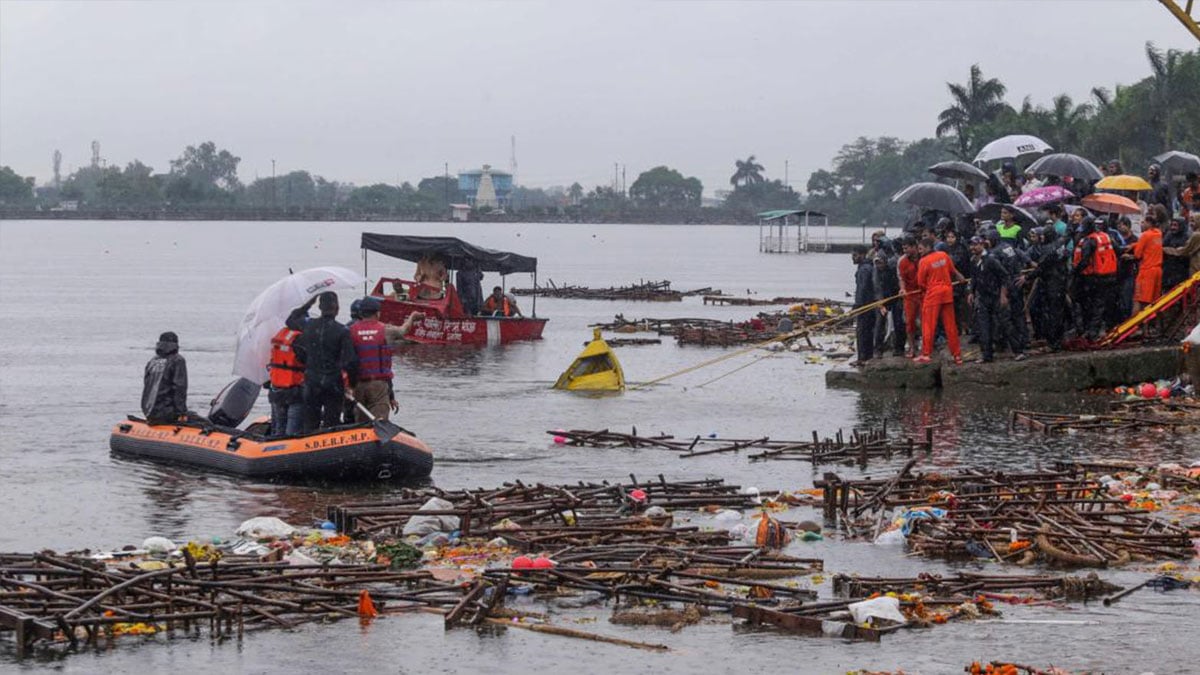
<point>384,429</point>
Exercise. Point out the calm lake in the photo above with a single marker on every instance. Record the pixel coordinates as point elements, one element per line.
<point>83,302</point>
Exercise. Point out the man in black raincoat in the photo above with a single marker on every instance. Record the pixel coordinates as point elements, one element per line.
<point>1015,261</point>
<point>470,287</point>
<point>164,389</point>
<point>1049,256</point>
<point>864,294</point>
<point>327,351</point>
<point>988,296</point>
<point>887,285</point>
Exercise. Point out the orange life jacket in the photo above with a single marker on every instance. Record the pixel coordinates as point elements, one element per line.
<point>1104,260</point>
<point>490,306</point>
<point>286,369</point>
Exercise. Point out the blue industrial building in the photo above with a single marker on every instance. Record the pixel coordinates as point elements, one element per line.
<point>486,187</point>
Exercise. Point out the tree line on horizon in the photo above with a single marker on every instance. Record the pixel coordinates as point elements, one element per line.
<point>1131,123</point>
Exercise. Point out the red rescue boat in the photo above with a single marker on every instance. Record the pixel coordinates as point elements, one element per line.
<point>446,320</point>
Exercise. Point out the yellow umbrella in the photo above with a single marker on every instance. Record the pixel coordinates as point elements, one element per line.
<point>1124,182</point>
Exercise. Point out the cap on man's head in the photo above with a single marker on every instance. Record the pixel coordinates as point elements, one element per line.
<point>327,300</point>
<point>976,240</point>
<point>369,305</point>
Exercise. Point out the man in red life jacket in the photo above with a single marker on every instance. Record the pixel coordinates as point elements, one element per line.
<point>287,377</point>
<point>935,276</point>
<point>500,303</point>
<point>373,342</point>
<point>1095,267</point>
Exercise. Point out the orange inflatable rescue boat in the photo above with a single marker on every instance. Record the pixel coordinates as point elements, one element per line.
<point>347,453</point>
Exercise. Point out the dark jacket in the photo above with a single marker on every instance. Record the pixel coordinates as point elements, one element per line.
<point>164,390</point>
<point>1051,260</point>
<point>1161,194</point>
<point>864,284</point>
<point>1014,259</point>
<point>886,280</point>
<point>326,350</point>
<point>470,289</point>
<point>988,277</point>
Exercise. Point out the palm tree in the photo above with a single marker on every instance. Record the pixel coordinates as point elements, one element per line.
<point>1066,122</point>
<point>1163,67</point>
<point>748,172</point>
<point>977,102</point>
<point>575,192</point>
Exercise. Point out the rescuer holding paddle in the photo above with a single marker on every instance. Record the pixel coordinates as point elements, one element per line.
<point>935,276</point>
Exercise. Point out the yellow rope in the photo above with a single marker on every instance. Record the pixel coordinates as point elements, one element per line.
<point>807,330</point>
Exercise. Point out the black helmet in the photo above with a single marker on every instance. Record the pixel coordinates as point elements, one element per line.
<point>369,305</point>
<point>356,309</point>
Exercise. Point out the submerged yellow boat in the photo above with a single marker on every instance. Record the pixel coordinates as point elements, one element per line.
<point>595,369</point>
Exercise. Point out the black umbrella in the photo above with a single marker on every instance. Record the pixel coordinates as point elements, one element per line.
<point>1065,164</point>
<point>958,170</point>
<point>934,196</point>
<point>1177,162</point>
<point>1020,215</point>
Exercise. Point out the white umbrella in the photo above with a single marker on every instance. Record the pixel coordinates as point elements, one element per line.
<point>1012,147</point>
<point>267,314</point>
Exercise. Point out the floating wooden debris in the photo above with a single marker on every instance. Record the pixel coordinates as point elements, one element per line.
<point>659,291</point>
<point>831,307</point>
<point>70,600</point>
<point>602,505</point>
<point>630,342</point>
<point>1059,515</point>
<point>965,585</point>
<point>860,446</point>
<point>1059,423</point>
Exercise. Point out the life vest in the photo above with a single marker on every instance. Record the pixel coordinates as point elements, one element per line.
<point>1104,260</point>
<point>490,306</point>
<point>286,370</point>
<point>770,533</point>
<point>374,354</point>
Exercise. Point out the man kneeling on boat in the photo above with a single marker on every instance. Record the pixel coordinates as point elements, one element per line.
<point>373,342</point>
<point>500,303</point>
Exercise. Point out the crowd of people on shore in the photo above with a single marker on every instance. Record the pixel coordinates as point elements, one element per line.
<point>1070,274</point>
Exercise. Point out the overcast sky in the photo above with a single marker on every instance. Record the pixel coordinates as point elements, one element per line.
<point>387,91</point>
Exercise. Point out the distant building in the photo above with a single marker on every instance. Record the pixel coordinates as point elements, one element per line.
<point>486,187</point>
<point>460,212</point>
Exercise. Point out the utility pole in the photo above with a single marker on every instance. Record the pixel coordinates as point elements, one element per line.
<point>785,173</point>
<point>616,180</point>
<point>446,183</point>
<point>623,192</point>
<point>274,188</point>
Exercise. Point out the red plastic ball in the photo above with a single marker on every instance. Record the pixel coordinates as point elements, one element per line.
<point>1149,390</point>
<point>542,563</point>
<point>522,562</point>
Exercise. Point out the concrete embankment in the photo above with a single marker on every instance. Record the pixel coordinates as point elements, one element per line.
<point>1065,371</point>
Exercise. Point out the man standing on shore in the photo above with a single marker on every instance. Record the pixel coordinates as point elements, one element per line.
<point>935,277</point>
<point>864,294</point>
<point>907,270</point>
<point>989,296</point>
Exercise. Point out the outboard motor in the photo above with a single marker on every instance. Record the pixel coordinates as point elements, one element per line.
<point>233,404</point>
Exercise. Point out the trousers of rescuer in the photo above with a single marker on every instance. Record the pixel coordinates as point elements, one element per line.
<point>938,308</point>
<point>375,397</point>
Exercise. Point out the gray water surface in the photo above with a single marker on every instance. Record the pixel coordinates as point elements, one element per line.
<point>82,304</point>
